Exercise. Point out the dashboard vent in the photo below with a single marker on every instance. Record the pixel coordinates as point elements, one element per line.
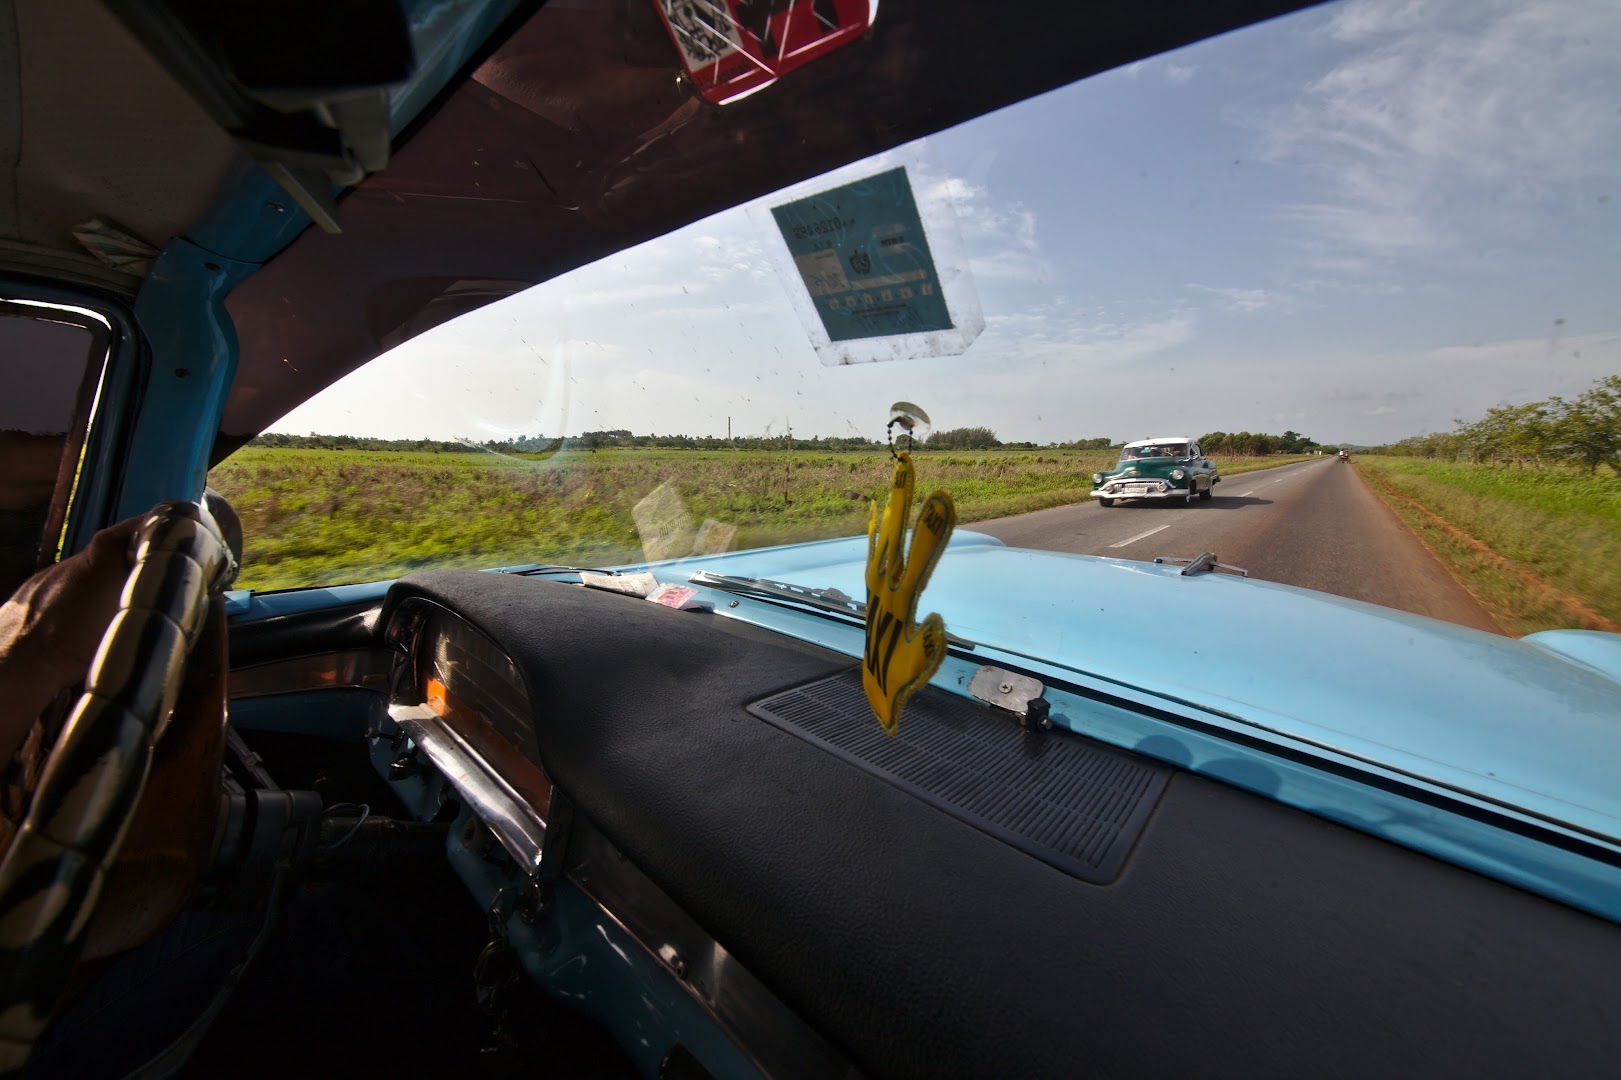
<point>1072,803</point>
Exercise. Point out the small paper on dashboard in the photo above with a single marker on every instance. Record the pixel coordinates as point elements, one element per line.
<point>633,584</point>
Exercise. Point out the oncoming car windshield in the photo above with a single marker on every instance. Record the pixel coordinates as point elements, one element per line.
<point>1156,450</point>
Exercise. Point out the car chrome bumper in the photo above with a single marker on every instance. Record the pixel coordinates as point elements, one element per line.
<point>1156,490</point>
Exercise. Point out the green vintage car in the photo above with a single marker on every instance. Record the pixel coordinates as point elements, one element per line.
<point>1172,468</point>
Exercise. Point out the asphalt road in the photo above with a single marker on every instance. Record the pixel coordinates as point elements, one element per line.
<point>1314,524</point>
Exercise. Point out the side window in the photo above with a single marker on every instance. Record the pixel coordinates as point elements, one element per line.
<point>51,361</point>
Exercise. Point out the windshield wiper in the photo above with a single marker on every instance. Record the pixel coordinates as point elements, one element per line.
<point>822,599</point>
<point>542,569</point>
<point>836,601</point>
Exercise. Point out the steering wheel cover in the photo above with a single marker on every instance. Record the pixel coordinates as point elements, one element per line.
<point>52,875</point>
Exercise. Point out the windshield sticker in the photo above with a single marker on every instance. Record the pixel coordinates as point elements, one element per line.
<point>862,254</point>
<point>874,265</point>
<point>732,48</point>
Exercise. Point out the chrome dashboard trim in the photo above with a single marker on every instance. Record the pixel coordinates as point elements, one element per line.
<point>516,824</point>
<point>362,669</point>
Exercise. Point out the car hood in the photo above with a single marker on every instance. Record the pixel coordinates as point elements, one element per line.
<point>1149,466</point>
<point>1533,724</point>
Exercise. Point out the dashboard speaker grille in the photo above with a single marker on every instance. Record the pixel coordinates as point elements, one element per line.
<point>1075,804</point>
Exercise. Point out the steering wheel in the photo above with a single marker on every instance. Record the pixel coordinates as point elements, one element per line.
<point>53,873</point>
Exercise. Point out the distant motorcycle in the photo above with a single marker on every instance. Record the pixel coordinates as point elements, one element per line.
<point>1344,456</point>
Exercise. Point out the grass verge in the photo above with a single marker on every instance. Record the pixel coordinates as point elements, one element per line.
<point>1540,548</point>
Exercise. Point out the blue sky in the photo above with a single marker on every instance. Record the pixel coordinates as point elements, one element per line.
<point>1359,222</point>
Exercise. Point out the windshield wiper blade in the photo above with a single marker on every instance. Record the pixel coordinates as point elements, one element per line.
<point>832,600</point>
<point>543,569</point>
<point>825,599</point>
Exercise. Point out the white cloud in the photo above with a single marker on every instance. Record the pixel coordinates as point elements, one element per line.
<point>1440,122</point>
<point>954,188</point>
<point>630,294</point>
<point>1033,320</point>
<point>734,312</point>
<point>1001,237</point>
<point>1558,364</point>
<point>1366,21</point>
<point>438,387</point>
<point>1011,265</point>
<point>1243,301</point>
<point>1086,342</point>
<point>1175,74</point>
<point>1385,396</point>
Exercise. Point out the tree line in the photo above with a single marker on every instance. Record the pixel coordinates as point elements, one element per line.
<point>278,440</point>
<point>1256,443</point>
<point>962,438</point>
<point>539,444</point>
<point>1584,431</point>
<point>1242,443</point>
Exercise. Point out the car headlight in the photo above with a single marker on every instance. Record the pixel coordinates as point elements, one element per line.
<point>1178,474</point>
<point>1097,478</point>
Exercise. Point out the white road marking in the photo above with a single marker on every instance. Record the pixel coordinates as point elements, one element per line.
<point>1246,494</point>
<point>1139,536</point>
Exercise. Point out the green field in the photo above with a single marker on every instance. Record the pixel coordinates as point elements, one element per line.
<point>321,517</point>
<point>1547,542</point>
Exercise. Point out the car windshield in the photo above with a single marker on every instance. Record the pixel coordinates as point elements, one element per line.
<point>1159,450</point>
<point>1375,224</point>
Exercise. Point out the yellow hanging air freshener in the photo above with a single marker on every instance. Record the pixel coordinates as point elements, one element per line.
<point>901,655</point>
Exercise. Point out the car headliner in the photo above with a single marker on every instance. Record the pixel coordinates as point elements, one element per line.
<point>575,139</point>
<point>92,126</point>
